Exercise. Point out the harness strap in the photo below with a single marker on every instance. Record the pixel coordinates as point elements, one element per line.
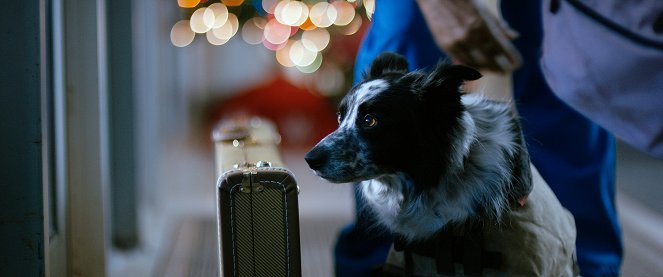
<point>453,245</point>
<point>409,263</point>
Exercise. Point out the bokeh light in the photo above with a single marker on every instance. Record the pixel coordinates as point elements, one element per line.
<point>294,13</point>
<point>296,30</point>
<point>309,45</point>
<point>224,32</point>
<point>275,32</point>
<point>369,6</point>
<point>323,14</point>
<point>271,46</point>
<point>232,3</point>
<point>269,5</point>
<point>181,34</point>
<point>308,25</point>
<point>283,54</point>
<point>353,27</point>
<point>300,55</point>
<point>200,19</point>
<point>345,11</point>
<point>220,14</point>
<point>214,39</point>
<point>252,31</point>
<point>316,40</point>
<point>209,18</point>
<point>313,66</point>
<point>188,3</point>
<point>278,10</point>
<point>234,22</point>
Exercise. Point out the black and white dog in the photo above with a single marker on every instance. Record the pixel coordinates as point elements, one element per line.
<point>427,156</point>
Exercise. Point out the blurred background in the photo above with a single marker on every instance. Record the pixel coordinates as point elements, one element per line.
<point>118,175</point>
<point>287,61</point>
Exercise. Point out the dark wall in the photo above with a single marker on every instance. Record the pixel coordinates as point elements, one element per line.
<point>21,193</point>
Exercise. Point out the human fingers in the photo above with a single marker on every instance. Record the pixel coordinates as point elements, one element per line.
<point>490,48</point>
<point>508,57</point>
<point>474,56</point>
<point>482,52</point>
<point>468,55</point>
<point>507,31</point>
<point>496,43</point>
<point>502,55</point>
<point>494,46</point>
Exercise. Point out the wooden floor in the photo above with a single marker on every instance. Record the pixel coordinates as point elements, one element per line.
<point>180,224</point>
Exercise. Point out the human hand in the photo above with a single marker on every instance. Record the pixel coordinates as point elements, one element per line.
<point>471,35</point>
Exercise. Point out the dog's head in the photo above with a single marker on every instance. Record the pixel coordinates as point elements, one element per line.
<point>394,121</point>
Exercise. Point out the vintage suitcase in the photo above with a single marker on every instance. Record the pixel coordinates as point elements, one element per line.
<point>258,216</point>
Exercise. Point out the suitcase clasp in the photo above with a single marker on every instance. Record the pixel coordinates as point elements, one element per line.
<point>250,181</point>
<point>248,178</point>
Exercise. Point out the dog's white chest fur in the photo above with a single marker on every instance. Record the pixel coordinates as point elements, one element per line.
<point>385,197</point>
<point>413,216</point>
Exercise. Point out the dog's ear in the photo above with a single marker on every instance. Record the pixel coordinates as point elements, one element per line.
<point>388,62</point>
<point>447,77</point>
<point>440,90</point>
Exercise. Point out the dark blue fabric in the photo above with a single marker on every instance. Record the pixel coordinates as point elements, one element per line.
<point>575,156</point>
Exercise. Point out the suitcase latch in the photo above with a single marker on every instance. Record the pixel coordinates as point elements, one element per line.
<point>250,183</point>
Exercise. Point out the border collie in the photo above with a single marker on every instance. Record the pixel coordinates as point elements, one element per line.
<point>429,157</point>
<point>425,153</point>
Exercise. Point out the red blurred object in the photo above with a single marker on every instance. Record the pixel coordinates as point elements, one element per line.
<point>302,117</point>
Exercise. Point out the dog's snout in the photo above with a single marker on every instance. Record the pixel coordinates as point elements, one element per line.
<point>316,158</point>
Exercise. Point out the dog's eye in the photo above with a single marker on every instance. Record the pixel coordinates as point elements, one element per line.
<point>370,120</point>
<point>339,117</point>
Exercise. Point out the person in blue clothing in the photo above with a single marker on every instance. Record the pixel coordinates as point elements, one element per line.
<point>575,156</point>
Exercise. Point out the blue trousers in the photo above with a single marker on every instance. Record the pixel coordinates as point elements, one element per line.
<point>575,156</point>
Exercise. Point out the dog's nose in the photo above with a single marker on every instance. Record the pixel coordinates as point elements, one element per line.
<point>316,158</point>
